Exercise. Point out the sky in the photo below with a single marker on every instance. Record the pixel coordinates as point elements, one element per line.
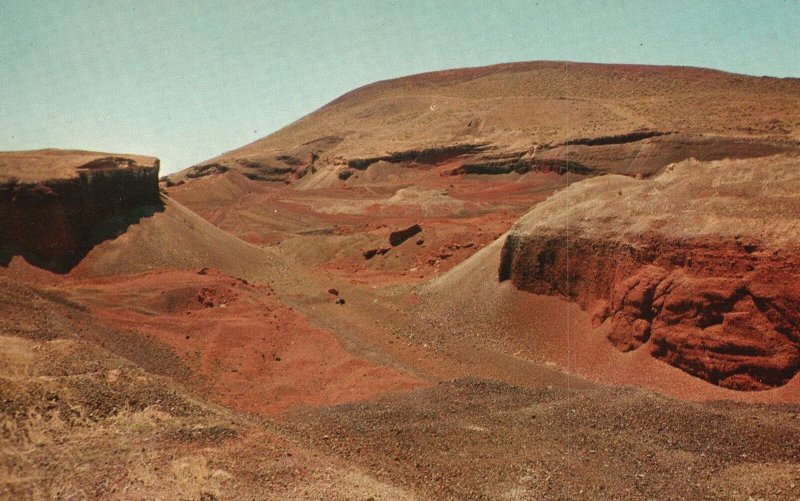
<point>186,81</point>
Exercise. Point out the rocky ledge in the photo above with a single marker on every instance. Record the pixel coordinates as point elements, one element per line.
<point>699,265</point>
<point>55,205</point>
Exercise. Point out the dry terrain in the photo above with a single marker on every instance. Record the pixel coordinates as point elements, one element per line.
<point>528,281</point>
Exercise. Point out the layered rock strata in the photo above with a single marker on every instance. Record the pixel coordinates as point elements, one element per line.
<point>698,265</point>
<point>56,205</point>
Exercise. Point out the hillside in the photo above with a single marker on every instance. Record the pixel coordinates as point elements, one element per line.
<point>529,116</point>
<point>705,197</point>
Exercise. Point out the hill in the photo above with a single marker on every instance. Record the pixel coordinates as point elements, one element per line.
<point>531,116</point>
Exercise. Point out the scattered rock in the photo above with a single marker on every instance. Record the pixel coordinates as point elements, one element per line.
<point>211,298</point>
<point>370,253</point>
<point>398,237</point>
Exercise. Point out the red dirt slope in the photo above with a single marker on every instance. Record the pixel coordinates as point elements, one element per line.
<point>464,153</point>
<point>243,348</point>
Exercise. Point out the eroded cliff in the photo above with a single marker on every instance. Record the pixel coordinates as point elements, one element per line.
<point>56,205</point>
<point>698,265</point>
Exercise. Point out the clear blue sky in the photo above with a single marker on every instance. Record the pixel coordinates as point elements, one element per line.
<point>185,81</point>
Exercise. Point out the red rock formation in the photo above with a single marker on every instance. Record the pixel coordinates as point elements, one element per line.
<point>726,312</point>
<point>718,298</point>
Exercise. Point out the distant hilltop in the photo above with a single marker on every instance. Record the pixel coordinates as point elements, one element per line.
<point>510,116</point>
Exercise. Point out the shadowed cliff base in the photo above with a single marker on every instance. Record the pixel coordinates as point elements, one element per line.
<point>60,250</point>
<point>55,206</point>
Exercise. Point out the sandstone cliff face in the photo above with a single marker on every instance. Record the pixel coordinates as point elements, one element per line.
<point>711,287</point>
<point>56,205</point>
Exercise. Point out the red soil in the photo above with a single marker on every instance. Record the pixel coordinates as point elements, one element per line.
<point>243,347</point>
<point>332,228</point>
<point>236,343</point>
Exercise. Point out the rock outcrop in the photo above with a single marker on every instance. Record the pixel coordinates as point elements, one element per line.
<point>56,205</point>
<point>398,237</point>
<point>699,265</point>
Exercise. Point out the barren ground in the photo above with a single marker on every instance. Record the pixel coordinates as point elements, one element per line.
<point>272,335</point>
